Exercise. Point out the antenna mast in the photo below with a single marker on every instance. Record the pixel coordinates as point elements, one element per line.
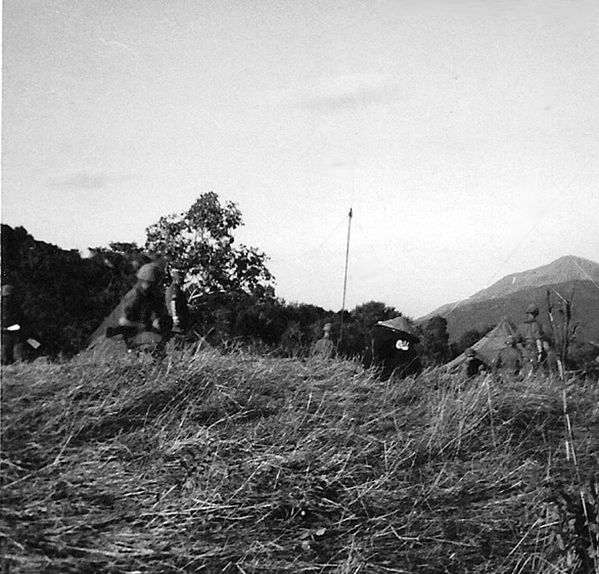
<point>345,274</point>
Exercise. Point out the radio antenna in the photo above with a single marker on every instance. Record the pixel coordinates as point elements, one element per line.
<point>351,214</point>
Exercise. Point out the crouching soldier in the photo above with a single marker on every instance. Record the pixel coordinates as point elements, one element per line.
<point>509,359</point>
<point>473,365</point>
<point>143,320</point>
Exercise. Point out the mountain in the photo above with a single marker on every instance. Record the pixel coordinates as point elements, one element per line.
<point>562,270</point>
<point>572,278</point>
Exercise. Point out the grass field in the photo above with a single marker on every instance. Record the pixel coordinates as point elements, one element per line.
<point>243,464</point>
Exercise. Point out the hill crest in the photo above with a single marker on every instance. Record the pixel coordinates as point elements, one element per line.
<point>574,278</point>
<point>566,269</point>
<point>562,270</point>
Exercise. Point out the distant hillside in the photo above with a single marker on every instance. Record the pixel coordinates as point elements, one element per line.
<point>562,270</point>
<point>572,277</point>
<point>482,314</point>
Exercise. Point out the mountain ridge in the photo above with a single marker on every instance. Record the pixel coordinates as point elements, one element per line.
<point>572,278</point>
<point>562,270</point>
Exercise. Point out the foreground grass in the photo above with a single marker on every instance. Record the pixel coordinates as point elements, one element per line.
<point>240,464</point>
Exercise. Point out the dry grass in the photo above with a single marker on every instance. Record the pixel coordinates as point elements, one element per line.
<point>237,464</point>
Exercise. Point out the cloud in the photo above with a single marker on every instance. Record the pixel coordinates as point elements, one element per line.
<point>353,91</point>
<point>80,181</point>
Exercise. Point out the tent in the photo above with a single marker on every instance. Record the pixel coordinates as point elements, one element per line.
<point>400,325</point>
<point>112,320</point>
<point>489,346</point>
<point>145,340</point>
<point>392,348</point>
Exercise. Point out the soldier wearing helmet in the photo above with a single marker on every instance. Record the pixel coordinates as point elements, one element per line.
<point>143,309</point>
<point>531,336</point>
<point>509,359</point>
<point>473,365</point>
<point>324,347</point>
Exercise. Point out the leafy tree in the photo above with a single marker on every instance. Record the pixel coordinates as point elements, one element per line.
<point>370,313</point>
<point>200,241</point>
<point>435,340</point>
<point>64,296</point>
<point>358,324</point>
<point>262,317</point>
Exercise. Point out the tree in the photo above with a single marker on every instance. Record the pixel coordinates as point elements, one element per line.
<point>200,242</point>
<point>64,296</point>
<point>356,328</point>
<point>223,280</point>
<point>435,340</point>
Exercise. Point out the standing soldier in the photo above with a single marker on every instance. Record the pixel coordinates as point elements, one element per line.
<point>531,337</point>
<point>12,327</point>
<point>176,304</point>
<point>324,347</point>
<point>143,320</point>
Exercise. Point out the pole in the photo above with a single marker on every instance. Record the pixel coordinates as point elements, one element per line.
<point>345,274</point>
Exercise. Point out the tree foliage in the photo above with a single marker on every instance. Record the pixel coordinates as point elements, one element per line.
<point>435,340</point>
<point>355,331</point>
<point>63,295</point>
<point>200,242</point>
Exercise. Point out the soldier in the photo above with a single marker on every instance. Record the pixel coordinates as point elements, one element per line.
<point>473,365</point>
<point>324,347</point>
<point>531,337</point>
<point>144,321</point>
<point>510,357</point>
<point>13,326</point>
<point>176,302</point>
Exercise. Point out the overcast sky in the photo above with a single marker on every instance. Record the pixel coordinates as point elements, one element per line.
<point>464,134</point>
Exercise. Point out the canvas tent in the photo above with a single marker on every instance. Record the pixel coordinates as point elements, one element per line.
<point>401,325</point>
<point>147,340</point>
<point>487,349</point>
<point>111,320</point>
<point>392,348</point>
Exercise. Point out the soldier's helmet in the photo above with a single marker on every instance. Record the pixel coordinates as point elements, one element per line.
<point>532,309</point>
<point>150,272</point>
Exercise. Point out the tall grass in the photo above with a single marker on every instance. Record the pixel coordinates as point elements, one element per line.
<point>238,463</point>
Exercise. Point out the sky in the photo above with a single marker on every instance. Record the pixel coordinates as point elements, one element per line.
<point>464,135</point>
